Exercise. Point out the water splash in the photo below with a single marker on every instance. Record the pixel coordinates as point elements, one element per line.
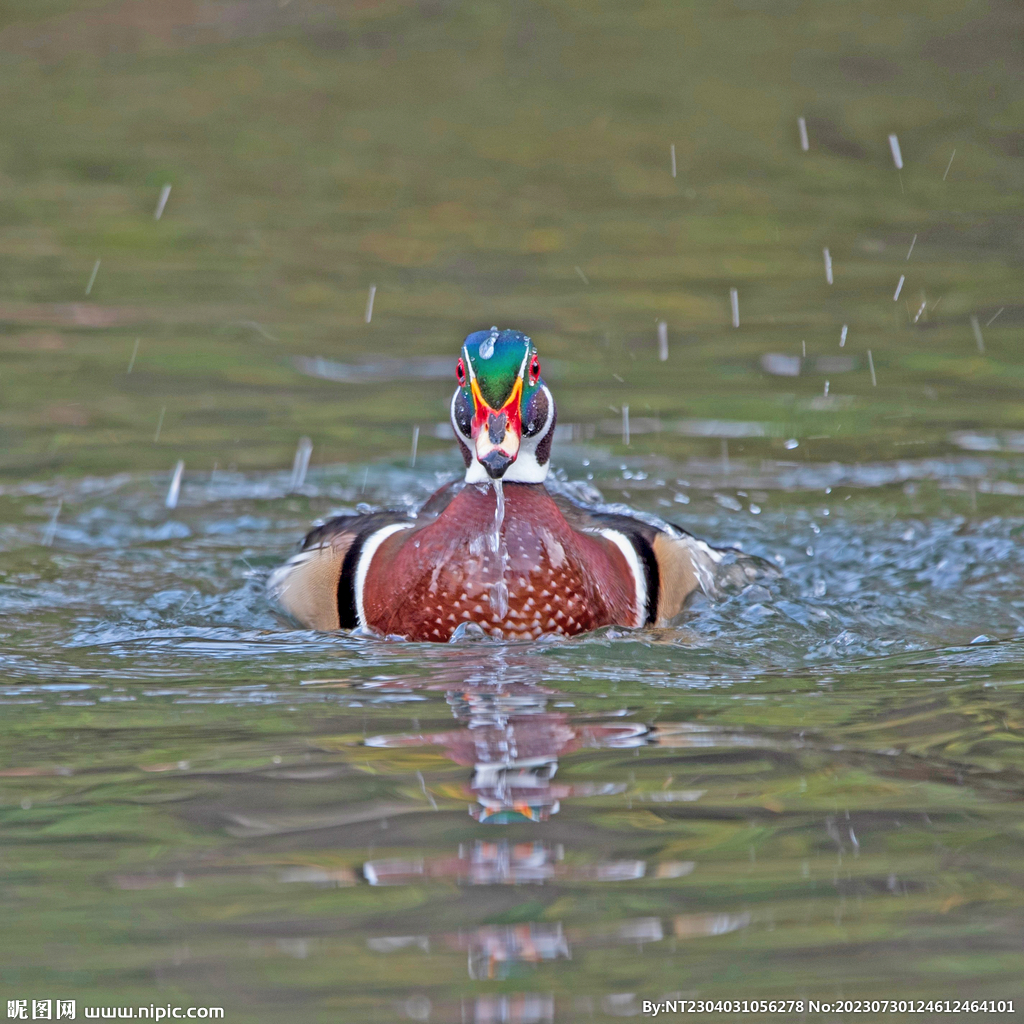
<point>487,345</point>
<point>892,583</point>
<point>499,511</point>
<point>499,589</point>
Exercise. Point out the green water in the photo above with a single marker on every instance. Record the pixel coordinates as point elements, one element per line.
<point>809,790</point>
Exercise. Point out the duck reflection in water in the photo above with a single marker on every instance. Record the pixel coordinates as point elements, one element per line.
<point>513,741</point>
<point>511,735</point>
<point>505,863</point>
<point>500,952</point>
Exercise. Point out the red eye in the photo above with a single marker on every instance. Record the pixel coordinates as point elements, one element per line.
<point>460,373</point>
<point>534,369</point>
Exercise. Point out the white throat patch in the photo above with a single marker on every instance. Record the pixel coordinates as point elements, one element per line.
<point>526,469</point>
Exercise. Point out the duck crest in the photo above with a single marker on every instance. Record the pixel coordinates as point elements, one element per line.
<point>498,552</point>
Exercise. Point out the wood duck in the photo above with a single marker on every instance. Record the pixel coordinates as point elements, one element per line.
<point>497,552</point>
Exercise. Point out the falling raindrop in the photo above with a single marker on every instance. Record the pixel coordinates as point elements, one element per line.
<point>976,328</point>
<point>801,124</point>
<point>165,193</point>
<point>301,463</point>
<point>415,445</point>
<point>662,340</point>
<point>175,489</point>
<point>897,156</point>
<point>92,277</point>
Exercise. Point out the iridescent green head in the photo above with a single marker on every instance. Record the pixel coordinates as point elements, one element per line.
<point>502,411</point>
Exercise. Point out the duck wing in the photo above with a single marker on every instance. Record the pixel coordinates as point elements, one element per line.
<point>317,585</point>
<point>675,563</point>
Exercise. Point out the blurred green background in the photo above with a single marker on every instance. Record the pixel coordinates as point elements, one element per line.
<point>478,163</point>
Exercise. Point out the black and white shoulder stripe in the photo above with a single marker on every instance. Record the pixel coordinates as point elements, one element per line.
<point>321,586</point>
<point>643,564</point>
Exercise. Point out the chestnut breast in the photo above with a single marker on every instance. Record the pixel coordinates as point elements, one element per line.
<point>541,576</point>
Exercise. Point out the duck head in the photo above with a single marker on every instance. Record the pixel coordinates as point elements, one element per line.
<point>502,412</point>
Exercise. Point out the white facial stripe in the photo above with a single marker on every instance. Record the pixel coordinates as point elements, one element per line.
<point>469,363</point>
<point>625,545</point>
<point>370,545</point>
<point>543,432</point>
<point>455,422</point>
<point>522,368</point>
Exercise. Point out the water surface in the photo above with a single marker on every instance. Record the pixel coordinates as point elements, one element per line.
<point>808,789</point>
